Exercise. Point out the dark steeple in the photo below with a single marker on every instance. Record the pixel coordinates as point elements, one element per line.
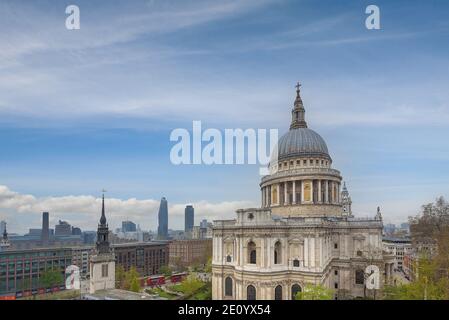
<point>103,232</point>
<point>298,112</point>
<point>103,217</point>
<point>5,234</point>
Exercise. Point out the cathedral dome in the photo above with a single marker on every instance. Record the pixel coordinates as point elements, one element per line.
<point>302,142</point>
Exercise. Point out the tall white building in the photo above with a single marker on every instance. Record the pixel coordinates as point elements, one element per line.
<point>303,233</point>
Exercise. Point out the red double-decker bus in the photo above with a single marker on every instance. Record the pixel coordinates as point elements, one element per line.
<point>155,281</point>
<point>178,277</point>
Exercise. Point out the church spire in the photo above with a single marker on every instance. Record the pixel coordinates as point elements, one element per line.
<point>103,216</point>
<point>5,234</point>
<point>298,112</point>
<point>103,232</point>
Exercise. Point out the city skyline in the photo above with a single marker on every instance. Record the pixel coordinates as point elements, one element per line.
<point>77,114</point>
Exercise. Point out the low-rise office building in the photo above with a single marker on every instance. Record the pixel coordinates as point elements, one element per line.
<point>398,247</point>
<point>21,270</point>
<point>147,257</point>
<point>190,251</point>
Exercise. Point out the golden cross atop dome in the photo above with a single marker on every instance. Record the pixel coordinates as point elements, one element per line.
<point>298,85</point>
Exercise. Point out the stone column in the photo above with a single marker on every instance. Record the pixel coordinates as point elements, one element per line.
<point>391,272</point>
<point>263,197</point>
<point>331,187</point>
<point>302,191</point>
<point>319,191</point>
<point>311,191</point>
<point>241,259</point>
<point>306,252</point>
<point>269,196</point>
<point>312,252</point>
<point>338,192</point>
<point>326,190</point>
<point>294,191</point>
<point>278,189</point>
<point>269,253</point>
<point>321,257</point>
<point>266,197</point>
<point>285,193</point>
<point>387,273</point>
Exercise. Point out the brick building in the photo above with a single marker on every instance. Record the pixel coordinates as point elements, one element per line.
<point>190,251</point>
<point>146,257</point>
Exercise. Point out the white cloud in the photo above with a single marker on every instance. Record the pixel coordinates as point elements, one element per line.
<point>23,211</point>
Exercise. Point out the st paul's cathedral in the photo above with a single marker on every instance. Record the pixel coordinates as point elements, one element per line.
<point>303,233</point>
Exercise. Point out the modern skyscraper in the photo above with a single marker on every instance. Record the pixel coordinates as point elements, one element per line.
<point>189,218</point>
<point>162,229</point>
<point>63,229</point>
<point>128,226</point>
<point>45,232</point>
<point>76,231</point>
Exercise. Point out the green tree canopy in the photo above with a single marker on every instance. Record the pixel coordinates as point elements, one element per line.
<point>166,271</point>
<point>315,292</point>
<point>120,277</point>
<point>132,280</point>
<point>51,277</point>
<point>429,285</point>
<point>190,285</point>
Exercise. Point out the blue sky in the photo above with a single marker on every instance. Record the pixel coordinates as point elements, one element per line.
<point>93,108</point>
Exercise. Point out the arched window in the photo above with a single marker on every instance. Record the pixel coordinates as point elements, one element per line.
<point>250,293</point>
<point>228,258</point>
<point>252,254</point>
<point>278,253</point>
<point>359,277</point>
<point>278,293</point>
<point>296,263</point>
<point>228,287</point>
<point>295,289</point>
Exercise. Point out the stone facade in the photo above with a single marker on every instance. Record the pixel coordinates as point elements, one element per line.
<point>102,272</point>
<point>304,232</point>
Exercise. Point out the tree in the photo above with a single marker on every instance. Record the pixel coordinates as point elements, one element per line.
<point>120,277</point>
<point>190,285</point>
<point>208,267</point>
<point>135,285</point>
<point>132,280</point>
<point>166,271</point>
<point>51,277</point>
<point>428,286</point>
<point>317,292</point>
<point>430,235</point>
<point>431,222</point>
